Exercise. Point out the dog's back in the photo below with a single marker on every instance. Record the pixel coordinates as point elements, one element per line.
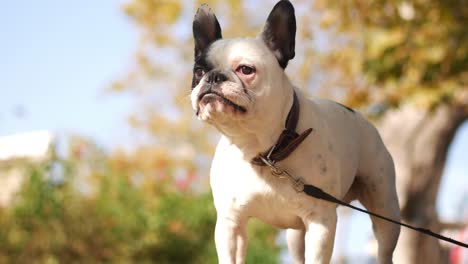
<point>374,180</point>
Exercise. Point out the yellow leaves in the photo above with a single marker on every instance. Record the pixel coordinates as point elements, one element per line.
<point>433,53</point>
<point>357,97</point>
<point>117,86</point>
<point>413,74</point>
<point>328,18</point>
<point>235,5</point>
<point>427,97</point>
<point>162,39</point>
<point>378,40</point>
<point>153,13</point>
<point>305,70</point>
<point>146,65</point>
<point>424,96</point>
<point>123,83</point>
<point>210,3</point>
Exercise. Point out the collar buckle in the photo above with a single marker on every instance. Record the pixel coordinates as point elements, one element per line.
<point>288,140</point>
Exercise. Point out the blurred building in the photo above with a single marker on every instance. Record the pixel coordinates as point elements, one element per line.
<point>16,151</point>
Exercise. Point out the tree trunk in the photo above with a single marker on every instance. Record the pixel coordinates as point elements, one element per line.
<point>418,141</point>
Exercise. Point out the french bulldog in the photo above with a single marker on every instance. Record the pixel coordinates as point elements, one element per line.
<point>240,87</point>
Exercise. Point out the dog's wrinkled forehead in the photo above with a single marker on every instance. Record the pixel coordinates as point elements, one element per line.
<point>229,53</point>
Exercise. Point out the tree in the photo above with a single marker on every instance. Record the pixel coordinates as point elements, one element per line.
<point>403,63</point>
<point>414,56</point>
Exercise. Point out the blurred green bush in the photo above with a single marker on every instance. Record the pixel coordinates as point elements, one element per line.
<point>99,213</point>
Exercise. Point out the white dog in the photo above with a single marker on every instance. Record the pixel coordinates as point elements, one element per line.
<point>240,87</point>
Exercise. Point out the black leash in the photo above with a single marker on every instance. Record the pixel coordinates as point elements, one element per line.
<point>299,185</point>
<point>320,194</point>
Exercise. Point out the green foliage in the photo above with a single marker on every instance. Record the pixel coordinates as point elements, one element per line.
<point>106,217</point>
<point>410,51</point>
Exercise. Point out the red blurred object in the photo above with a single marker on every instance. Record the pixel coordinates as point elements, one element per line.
<point>459,255</point>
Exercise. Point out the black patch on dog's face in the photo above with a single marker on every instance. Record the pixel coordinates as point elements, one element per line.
<point>201,64</point>
<point>206,30</point>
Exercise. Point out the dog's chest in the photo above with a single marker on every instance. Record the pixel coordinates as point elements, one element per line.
<point>241,190</point>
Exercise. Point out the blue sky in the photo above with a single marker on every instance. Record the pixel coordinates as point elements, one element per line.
<point>57,57</point>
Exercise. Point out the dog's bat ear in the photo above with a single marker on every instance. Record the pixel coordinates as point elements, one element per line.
<point>279,32</point>
<point>206,29</point>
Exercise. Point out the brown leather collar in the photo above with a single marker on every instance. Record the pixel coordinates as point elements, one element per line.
<point>287,142</point>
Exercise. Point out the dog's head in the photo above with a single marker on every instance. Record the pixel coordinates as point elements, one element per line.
<point>242,78</point>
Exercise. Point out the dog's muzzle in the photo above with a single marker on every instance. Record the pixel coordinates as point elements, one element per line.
<point>211,91</point>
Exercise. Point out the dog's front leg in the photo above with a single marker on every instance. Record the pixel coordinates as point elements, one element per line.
<point>296,244</point>
<point>230,240</point>
<point>320,235</point>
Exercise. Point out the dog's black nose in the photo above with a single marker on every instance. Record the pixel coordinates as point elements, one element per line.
<point>215,77</point>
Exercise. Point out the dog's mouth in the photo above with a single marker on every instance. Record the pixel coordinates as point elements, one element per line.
<point>211,96</point>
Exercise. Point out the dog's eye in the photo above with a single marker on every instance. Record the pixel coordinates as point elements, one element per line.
<point>247,70</point>
<point>199,72</point>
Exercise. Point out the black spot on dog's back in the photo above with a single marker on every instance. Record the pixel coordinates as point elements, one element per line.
<point>344,106</point>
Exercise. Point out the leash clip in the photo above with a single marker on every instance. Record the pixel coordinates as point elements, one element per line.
<point>275,170</point>
<point>297,183</point>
